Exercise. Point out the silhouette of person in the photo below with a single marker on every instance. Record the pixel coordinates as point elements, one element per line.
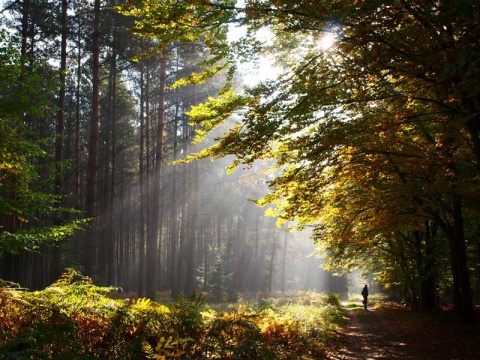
<point>365,296</point>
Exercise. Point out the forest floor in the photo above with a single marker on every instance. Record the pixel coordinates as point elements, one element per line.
<point>394,332</point>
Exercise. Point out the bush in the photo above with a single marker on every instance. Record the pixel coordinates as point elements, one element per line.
<point>333,299</point>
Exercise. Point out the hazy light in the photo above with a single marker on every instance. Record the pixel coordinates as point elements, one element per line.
<point>328,40</point>
<point>263,67</point>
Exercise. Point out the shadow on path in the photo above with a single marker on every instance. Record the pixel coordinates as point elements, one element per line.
<point>393,332</point>
<point>368,336</point>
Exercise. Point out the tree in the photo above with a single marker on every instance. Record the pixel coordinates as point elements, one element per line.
<point>60,131</point>
<point>25,206</point>
<point>90,248</point>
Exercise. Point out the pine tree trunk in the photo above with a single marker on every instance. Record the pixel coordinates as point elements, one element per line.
<point>56,266</point>
<point>90,245</point>
<point>151,258</point>
<point>111,201</point>
<point>192,237</point>
<point>77,124</point>
<point>173,212</point>
<point>271,267</point>
<point>143,193</point>
<point>284,262</point>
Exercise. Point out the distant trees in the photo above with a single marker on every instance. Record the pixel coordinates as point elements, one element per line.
<point>90,118</point>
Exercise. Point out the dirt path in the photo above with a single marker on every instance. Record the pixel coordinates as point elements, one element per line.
<point>391,334</point>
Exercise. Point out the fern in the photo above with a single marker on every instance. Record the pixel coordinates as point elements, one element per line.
<point>74,319</point>
<point>71,276</point>
<point>148,351</point>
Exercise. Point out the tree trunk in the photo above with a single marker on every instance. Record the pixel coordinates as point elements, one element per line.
<point>151,263</point>
<point>77,124</point>
<point>173,212</point>
<point>284,261</point>
<point>192,237</point>
<point>271,267</point>
<point>90,245</point>
<point>111,201</point>
<point>429,269</point>
<point>56,265</point>
<point>460,257</point>
<point>142,218</point>
<point>23,51</point>
<point>181,262</point>
<point>454,231</point>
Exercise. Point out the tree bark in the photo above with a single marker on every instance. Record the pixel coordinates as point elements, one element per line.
<point>173,212</point>
<point>142,218</point>
<point>429,269</point>
<point>192,237</point>
<point>271,267</point>
<point>90,244</point>
<point>56,264</point>
<point>113,155</point>
<point>151,263</point>
<point>460,257</point>
<point>284,261</point>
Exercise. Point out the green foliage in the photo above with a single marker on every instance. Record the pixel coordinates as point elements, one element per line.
<point>74,319</point>
<point>165,349</point>
<point>190,22</point>
<point>26,205</point>
<point>32,238</point>
<point>212,113</point>
<point>20,97</point>
<point>333,300</point>
<point>187,317</point>
<point>218,279</point>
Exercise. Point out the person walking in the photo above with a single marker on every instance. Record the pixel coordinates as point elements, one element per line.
<point>365,296</point>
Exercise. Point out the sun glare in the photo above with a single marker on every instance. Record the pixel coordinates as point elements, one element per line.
<point>328,40</point>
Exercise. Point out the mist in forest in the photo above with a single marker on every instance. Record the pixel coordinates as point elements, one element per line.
<point>251,252</point>
<point>155,228</point>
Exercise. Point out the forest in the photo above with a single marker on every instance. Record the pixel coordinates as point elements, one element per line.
<point>134,150</point>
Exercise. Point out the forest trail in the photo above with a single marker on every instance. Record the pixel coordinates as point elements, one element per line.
<point>395,333</point>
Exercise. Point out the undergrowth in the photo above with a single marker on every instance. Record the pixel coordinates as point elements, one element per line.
<point>75,319</point>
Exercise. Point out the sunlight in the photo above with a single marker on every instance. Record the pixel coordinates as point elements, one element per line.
<point>327,41</point>
<point>261,69</point>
